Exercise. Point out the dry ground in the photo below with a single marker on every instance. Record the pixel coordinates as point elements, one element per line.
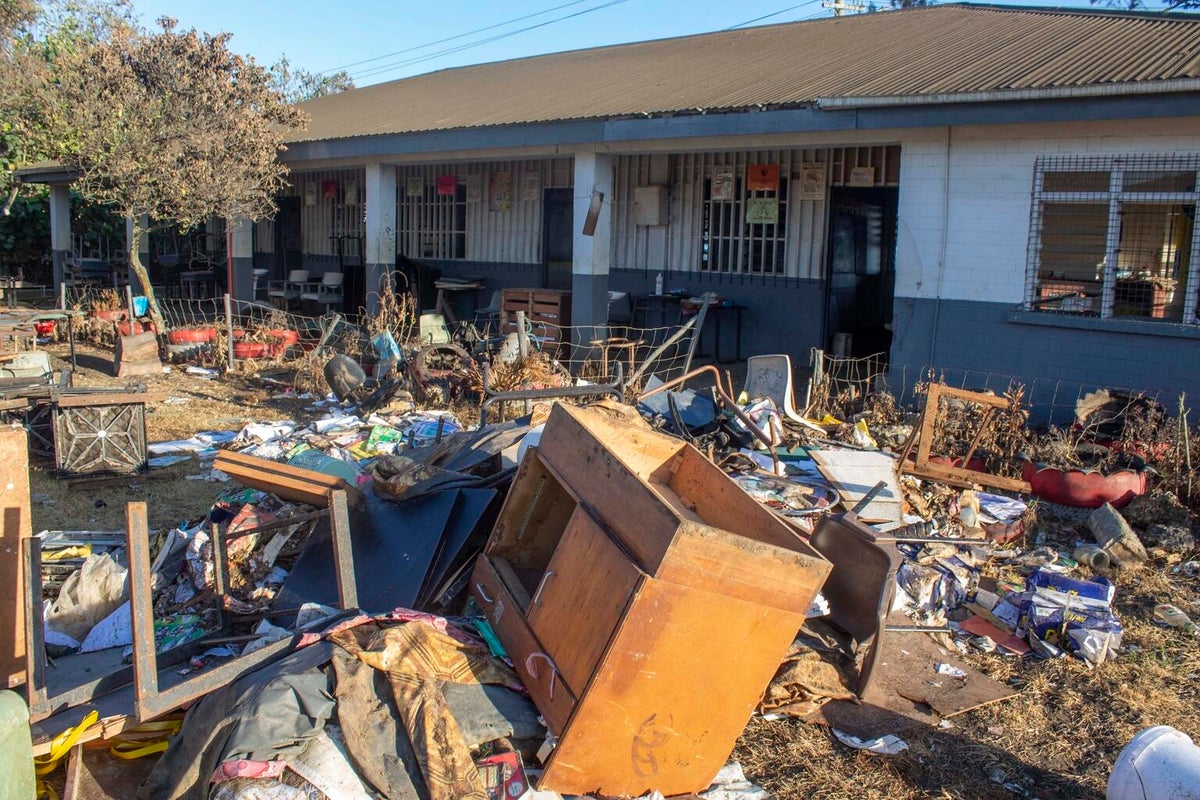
<point>1057,738</point>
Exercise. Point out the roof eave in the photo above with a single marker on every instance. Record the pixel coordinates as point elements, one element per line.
<point>1172,86</point>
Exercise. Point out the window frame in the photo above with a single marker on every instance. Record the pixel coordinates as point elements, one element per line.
<point>441,220</point>
<point>1116,198</point>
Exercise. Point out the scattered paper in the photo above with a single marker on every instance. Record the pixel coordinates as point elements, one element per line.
<point>888,745</point>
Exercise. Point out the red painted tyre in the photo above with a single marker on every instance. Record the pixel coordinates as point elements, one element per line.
<point>192,336</point>
<point>283,337</point>
<point>250,350</point>
<point>126,328</point>
<point>1075,487</point>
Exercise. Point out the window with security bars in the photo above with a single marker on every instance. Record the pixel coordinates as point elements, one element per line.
<point>1115,236</point>
<point>432,225</point>
<point>743,231</point>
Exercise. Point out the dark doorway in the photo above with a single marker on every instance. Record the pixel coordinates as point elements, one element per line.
<point>558,215</point>
<point>288,248</point>
<point>862,270</point>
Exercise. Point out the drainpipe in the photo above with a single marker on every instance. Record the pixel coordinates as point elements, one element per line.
<point>937,300</point>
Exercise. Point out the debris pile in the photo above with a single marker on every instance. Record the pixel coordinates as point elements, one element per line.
<point>387,600</point>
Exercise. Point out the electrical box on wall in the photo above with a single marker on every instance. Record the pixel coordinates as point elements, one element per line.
<point>650,205</point>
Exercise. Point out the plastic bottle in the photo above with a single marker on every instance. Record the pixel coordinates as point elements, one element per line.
<point>1092,556</point>
<point>1176,618</point>
<point>658,284</point>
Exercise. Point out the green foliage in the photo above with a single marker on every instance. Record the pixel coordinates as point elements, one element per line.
<point>297,84</point>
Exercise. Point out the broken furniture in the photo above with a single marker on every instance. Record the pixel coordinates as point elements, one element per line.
<point>923,433</point>
<point>645,601</point>
<point>100,433</point>
<point>290,483</point>
<point>14,532</point>
<point>447,286</point>
<point>770,376</point>
<point>547,312</point>
<point>612,348</point>
<point>102,679</point>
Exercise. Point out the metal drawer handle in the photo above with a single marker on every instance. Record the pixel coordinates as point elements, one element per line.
<point>541,585</point>
<point>532,669</point>
<point>483,594</point>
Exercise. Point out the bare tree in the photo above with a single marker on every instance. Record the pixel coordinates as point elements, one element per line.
<point>170,126</point>
<point>297,84</point>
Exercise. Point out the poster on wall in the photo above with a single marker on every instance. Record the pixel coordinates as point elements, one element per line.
<point>722,183</point>
<point>350,192</point>
<point>531,186</point>
<point>762,177</point>
<point>447,185</point>
<point>862,176</point>
<point>762,210</point>
<point>812,181</point>
<point>310,193</point>
<point>414,187</point>
<point>474,188</point>
<point>500,191</point>
<point>329,189</point>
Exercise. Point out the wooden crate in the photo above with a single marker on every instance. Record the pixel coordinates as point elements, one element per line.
<point>548,310</point>
<point>627,576</point>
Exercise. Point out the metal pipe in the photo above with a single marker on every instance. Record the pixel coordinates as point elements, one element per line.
<point>729,401</point>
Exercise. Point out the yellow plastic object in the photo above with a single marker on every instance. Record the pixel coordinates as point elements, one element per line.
<point>128,747</point>
<point>62,744</point>
<point>75,551</point>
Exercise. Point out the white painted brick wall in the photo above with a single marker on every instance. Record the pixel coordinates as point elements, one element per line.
<point>991,179</point>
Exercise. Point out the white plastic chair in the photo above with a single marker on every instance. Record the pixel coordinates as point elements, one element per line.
<point>770,376</point>
<point>290,289</point>
<point>328,291</point>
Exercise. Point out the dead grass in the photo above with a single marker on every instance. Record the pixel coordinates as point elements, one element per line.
<point>1057,738</point>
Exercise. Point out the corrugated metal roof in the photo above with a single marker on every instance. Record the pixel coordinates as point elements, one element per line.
<point>915,52</point>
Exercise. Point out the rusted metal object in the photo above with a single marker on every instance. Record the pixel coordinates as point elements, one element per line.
<point>591,390</point>
<point>729,402</point>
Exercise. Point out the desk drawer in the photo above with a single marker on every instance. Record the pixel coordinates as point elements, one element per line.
<point>553,698</point>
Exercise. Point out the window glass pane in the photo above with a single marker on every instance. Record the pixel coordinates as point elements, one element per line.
<point>1159,181</point>
<point>1153,259</point>
<point>1075,181</point>
<point>1071,258</point>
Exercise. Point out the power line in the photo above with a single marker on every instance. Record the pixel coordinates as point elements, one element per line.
<point>768,16</point>
<point>451,38</point>
<point>430,56</point>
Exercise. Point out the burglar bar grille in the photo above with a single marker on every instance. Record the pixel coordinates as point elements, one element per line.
<point>1115,236</point>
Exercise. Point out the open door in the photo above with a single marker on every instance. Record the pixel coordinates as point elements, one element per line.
<point>861,271</point>
<point>288,248</point>
<point>558,213</point>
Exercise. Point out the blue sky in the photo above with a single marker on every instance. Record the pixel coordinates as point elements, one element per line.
<point>324,35</point>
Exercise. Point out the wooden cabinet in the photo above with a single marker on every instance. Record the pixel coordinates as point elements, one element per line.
<point>645,600</point>
<point>548,311</point>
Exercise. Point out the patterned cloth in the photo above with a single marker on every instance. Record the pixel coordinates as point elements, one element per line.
<point>418,659</point>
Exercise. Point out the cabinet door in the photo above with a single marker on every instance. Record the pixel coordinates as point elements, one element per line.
<point>582,598</point>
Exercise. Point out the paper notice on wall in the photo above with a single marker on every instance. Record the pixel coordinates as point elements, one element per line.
<point>414,187</point>
<point>762,178</point>
<point>474,184</point>
<point>722,184</point>
<point>762,210</point>
<point>500,191</point>
<point>812,181</point>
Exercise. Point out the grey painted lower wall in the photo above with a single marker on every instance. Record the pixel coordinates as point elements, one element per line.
<point>980,345</point>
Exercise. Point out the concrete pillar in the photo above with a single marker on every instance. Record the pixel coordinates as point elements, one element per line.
<point>60,229</point>
<point>592,250</point>
<point>240,232</point>
<point>143,251</point>
<point>381,230</point>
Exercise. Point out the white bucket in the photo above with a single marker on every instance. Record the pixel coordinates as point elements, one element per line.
<point>1160,763</point>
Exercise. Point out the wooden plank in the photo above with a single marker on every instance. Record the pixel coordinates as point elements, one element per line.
<point>549,692</point>
<point>855,472</point>
<point>14,494</point>
<point>290,483</point>
<point>581,599</point>
<point>93,399</point>
<point>611,485</point>
<point>736,566</point>
<point>669,702</point>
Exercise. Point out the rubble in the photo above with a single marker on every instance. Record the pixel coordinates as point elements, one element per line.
<point>391,600</point>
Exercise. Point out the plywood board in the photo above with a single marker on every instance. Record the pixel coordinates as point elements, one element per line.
<point>14,526</point>
<point>854,472</point>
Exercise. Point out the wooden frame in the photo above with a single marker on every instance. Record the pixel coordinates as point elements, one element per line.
<point>922,437</point>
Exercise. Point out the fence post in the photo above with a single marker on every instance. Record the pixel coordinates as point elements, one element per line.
<point>62,295</point>
<point>229,359</point>
<point>523,346</point>
<point>695,342</point>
